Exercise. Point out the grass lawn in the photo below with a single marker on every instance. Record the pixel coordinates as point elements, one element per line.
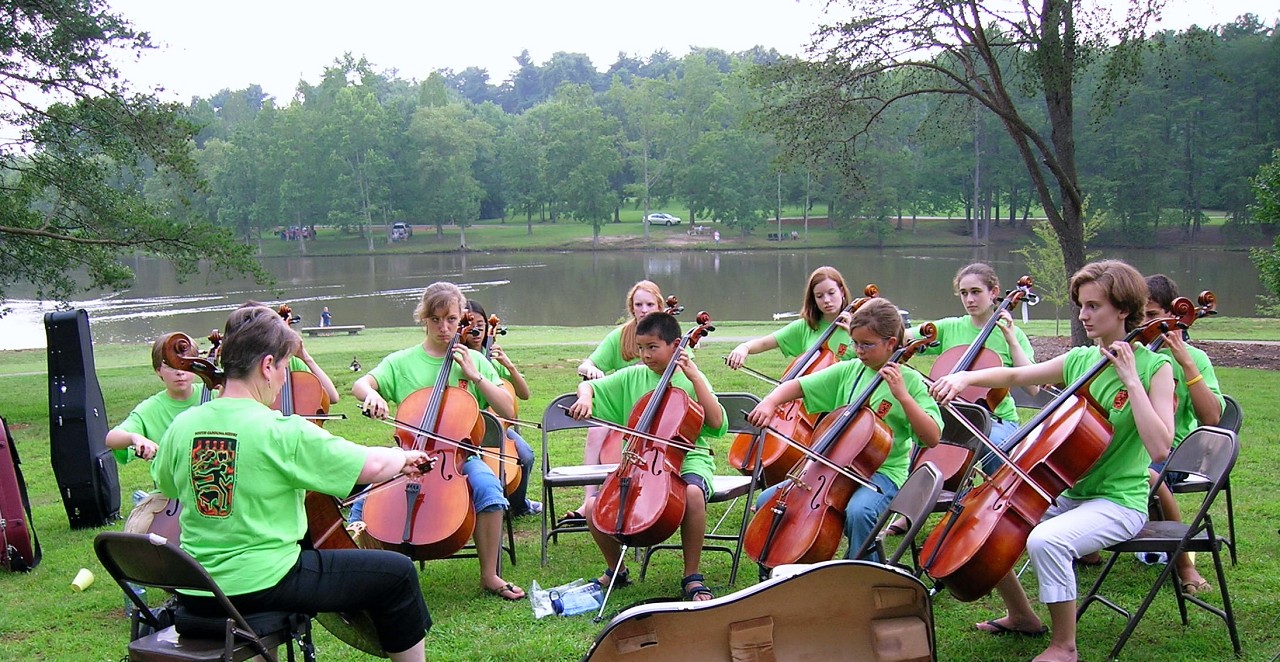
<point>43,619</point>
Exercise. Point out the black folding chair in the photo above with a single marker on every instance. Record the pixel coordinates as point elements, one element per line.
<point>913,502</point>
<point>492,441</point>
<point>150,560</point>
<point>1208,453</point>
<point>1232,418</point>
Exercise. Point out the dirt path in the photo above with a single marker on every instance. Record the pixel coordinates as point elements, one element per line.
<point>1259,356</point>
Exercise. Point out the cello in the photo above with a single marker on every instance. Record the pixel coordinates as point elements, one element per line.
<point>977,356</point>
<point>950,459</point>
<point>642,501</point>
<point>165,521</point>
<point>447,417</point>
<point>803,521</point>
<point>791,420</point>
<point>984,532</point>
<point>302,394</point>
<point>510,477</point>
<point>324,520</point>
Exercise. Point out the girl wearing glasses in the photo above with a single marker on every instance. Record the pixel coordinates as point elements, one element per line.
<point>901,400</point>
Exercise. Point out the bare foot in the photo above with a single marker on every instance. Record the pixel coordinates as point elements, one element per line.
<point>1057,654</point>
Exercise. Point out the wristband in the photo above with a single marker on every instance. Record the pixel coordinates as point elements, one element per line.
<point>1192,382</point>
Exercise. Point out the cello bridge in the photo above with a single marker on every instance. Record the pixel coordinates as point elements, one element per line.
<point>632,457</point>
<point>797,481</point>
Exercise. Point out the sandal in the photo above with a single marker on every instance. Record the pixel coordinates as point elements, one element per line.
<point>1194,588</point>
<point>897,528</point>
<point>570,517</point>
<point>623,579</point>
<point>508,592</point>
<point>691,593</point>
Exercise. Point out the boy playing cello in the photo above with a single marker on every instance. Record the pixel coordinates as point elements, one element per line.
<point>612,397</point>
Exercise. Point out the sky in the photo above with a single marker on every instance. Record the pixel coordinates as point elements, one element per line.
<point>232,44</point>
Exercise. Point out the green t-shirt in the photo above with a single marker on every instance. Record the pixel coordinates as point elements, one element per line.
<point>961,332</point>
<point>796,338</point>
<point>1120,475</point>
<point>408,370</point>
<point>241,471</point>
<point>843,382</point>
<point>614,395</point>
<point>1184,412</point>
<point>152,417</point>
<point>608,354</point>
<point>500,369</point>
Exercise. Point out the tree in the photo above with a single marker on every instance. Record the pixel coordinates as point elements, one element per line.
<point>582,154</point>
<point>79,144</point>
<point>1266,189</point>
<point>888,51</point>
<point>1048,271</point>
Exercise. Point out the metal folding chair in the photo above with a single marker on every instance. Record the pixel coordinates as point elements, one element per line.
<point>492,440</point>
<point>150,560</point>
<point>914,502</point>
<point>555,419</point>
<point>1208,453</point>
<point>1232,418</point>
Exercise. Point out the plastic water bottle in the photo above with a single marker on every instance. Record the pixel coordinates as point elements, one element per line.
<point>140,591</point>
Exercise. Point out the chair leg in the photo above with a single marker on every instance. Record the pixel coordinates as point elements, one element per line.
<point>1227,614</point>
<point>511,536</point>
<point>548,510</point>
<point>1231,520</point>
<point>1136,617</point>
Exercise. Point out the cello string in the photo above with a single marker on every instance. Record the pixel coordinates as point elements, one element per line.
<point>819,458</point>
<point>419,432</point>
<point>635,433</point>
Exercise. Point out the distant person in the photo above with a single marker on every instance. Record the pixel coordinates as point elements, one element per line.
<point>716,235</point>
<point>326,319</point>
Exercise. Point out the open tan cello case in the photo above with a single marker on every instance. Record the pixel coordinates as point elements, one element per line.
<point>839,610</point>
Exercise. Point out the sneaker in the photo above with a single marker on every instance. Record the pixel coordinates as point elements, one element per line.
<point>531,507</point>
<point>1152,558</point>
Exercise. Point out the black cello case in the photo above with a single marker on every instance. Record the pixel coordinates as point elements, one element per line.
<point>82,463</point>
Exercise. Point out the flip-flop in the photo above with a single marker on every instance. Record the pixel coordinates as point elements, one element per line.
<point>569,516</point>
<point>999,630</point>
<point>1193,588</point>
<point>507,588</point>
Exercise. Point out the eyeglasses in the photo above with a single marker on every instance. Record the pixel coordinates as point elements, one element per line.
<point>867,346</point>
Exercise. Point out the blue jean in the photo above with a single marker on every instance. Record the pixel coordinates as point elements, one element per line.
<point>1001,431</point>
<point>524,454</point>
<point>865,507</point>
<point>486,490</point>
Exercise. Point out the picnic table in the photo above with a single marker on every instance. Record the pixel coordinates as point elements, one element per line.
<point>350,329</point>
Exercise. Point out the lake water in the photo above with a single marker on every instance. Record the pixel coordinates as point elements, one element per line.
<point>582,288</point>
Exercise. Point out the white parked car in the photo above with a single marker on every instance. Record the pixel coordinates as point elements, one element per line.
<point>664,219</point>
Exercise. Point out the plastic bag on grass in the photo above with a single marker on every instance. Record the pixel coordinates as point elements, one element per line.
<point>577,597</point>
